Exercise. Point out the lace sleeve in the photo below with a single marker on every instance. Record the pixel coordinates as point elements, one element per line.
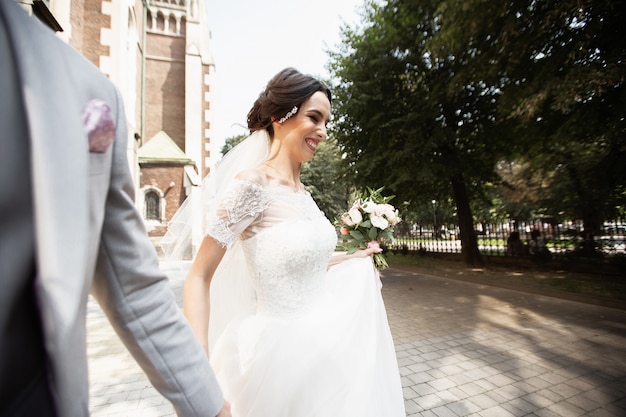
<point>241,206</point>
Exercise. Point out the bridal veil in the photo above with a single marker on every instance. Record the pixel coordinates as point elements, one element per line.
<point>231,289</point>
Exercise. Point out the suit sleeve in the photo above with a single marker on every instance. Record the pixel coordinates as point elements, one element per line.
<point>137,298</point>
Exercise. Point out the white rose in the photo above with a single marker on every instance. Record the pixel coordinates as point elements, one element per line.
<point>393,217</point>
<point>355,215</point>
<point>347,220</point>
<point>379,221</point>
<point>369,206</point>
<point>389,212</point>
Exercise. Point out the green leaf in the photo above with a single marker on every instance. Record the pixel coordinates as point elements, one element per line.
<point>387,234</point>
<point>356,234</point>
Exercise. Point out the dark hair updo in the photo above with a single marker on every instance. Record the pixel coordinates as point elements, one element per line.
<point>285,90</point>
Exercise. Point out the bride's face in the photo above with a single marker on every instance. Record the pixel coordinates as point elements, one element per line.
<point>302,133</point>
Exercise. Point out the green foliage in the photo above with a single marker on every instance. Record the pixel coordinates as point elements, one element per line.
<point>325,180</point>
<point>434,98</point>
<point>400,125</point>
<point>231,142</point>
<point>560,67</point>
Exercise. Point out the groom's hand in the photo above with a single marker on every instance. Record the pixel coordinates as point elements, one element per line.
<point>225,411</point>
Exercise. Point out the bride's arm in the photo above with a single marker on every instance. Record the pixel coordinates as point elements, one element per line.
<point>196,299</point>
<point>340,257</point>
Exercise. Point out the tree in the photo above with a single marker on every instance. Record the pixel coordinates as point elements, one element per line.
<point>401,125</point>
<point>436,94</point>
<point>560,66</point>
<point>325,181</point>
<point>231,142</point>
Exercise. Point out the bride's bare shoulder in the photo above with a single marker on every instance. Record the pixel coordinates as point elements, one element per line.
<point>255,175</point>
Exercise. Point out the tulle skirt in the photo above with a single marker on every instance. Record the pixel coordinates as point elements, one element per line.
<point>336,358</point>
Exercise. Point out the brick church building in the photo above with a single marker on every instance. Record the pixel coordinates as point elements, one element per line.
<point>157,52</point>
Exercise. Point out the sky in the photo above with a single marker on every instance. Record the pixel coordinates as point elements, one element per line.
<point>252,40</point>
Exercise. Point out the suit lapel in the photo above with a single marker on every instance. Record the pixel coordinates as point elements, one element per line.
<point>59,159</point>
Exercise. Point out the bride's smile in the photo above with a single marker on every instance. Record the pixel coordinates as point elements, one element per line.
<point>312,144</point>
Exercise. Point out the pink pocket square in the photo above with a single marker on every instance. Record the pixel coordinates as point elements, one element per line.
<point>99,125</point>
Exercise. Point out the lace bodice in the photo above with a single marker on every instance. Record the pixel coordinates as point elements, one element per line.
<point>286,239</point>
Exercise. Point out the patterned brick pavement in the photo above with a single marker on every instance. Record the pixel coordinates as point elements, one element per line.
<point>464,349</point>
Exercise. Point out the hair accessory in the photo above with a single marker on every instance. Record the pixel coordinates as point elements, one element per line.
<point>288,115</point>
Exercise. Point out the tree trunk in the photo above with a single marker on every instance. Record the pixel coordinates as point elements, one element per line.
<point>469,242</point>
<point>591,228</point>
<point>589,214</point>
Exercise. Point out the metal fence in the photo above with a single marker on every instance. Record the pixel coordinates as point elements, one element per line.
<point>515,238</point>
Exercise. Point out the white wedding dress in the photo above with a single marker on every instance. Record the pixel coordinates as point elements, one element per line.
<point>310,342</point>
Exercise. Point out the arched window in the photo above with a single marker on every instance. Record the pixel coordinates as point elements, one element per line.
<point>172,24</point>
<point>153,206</point>
<point>150,20</point>
<point>160,22</point>
<point>183,26</point>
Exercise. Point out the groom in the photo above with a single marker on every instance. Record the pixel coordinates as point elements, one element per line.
<point>68,227</point>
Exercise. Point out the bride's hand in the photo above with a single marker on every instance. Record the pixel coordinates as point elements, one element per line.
<point>372,248</point>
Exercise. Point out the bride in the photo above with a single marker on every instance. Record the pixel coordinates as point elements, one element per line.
<point>292,329</point>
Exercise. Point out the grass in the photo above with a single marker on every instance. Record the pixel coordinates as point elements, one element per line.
<point>596,288</point>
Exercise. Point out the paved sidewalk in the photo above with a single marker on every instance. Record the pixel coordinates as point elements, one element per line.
<point>464,349</point>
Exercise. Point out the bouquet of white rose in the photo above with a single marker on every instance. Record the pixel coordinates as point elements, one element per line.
<point>369,223</point>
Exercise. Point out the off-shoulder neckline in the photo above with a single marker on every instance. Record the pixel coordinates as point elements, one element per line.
<point>265,180</point>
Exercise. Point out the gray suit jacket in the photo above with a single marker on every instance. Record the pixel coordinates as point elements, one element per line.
<point>88,234</point>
